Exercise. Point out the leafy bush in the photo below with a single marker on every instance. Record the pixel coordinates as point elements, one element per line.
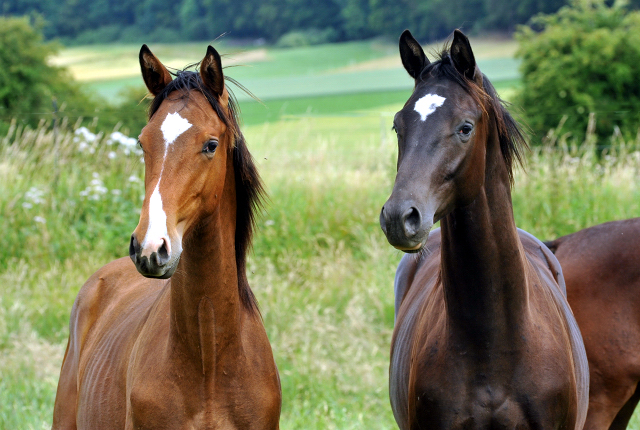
<point>584,59</point>
<point>29,82</point>
<point>31,89</point>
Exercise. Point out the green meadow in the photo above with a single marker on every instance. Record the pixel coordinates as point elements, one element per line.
<point>321,268</point>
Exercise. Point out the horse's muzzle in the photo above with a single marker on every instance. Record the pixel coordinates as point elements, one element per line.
<point>404,226</point>
<point>157,264</point>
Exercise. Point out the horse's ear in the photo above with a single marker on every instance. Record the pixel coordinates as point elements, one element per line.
<point>463,58</point>
<point>155,75</point>
<point>412,55</point>
<point>211,72</point>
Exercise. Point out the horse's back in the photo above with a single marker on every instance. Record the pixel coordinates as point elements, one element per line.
<point>606,254</point>
<point>105,318</point>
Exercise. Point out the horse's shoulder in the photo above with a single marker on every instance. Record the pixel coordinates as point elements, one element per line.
<point>107,282</point>
<point>113,287</point>
<point>541,257</point>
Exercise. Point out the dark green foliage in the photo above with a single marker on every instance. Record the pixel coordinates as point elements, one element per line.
<point>584,59</point>
<point>32,90</point>
<point>29,85</point>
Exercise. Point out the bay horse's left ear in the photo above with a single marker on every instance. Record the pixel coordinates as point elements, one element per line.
<point>211,74</point>
<point>155,75</point>
<point>463,58</point>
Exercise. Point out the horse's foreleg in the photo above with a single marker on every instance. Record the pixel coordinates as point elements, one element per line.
<point>622,419</point>
<point>610,408</point>
<point>64,411</point>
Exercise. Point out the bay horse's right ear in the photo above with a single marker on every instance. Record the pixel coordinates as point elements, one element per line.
<point>412,55</point>
<point>155,75</point>
<point>211,73</point>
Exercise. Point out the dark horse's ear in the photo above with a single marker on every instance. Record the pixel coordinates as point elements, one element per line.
<point>463,58</point>
<point>412,55</point>
<point>211,72</point>
<point>155,75</point>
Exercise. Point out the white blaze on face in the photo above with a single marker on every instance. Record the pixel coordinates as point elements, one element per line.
<point>172,127</point>
<point>428,105</point>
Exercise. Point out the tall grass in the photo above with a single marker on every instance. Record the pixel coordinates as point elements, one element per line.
<point>321,268</point>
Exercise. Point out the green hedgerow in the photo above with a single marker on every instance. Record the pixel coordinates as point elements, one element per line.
<point>584,59</point>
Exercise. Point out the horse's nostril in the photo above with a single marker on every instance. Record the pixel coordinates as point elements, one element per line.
<point>134,248</point>
<point>383,221</point>
<point>411,221</point>
<point>162,255</point>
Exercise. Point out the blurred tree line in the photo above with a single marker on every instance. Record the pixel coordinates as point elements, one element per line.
<point>320,20</point>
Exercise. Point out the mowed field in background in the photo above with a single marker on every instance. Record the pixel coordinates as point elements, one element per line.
<point>321,268</point>
<point>325,79</point>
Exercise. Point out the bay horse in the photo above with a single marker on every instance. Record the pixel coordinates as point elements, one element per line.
<point>601,265</point>
<point>172,338</point>
<point>484,337</point>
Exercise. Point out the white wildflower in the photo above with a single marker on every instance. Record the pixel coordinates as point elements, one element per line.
<point>34,196</point>
<point>95,189</point>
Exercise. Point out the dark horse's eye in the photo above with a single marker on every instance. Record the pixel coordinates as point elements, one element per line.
<point>465,130</point>
<point>210,146</point>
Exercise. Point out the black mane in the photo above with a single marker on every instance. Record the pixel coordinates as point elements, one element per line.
<point>511,135</point>
<point>249,189</point>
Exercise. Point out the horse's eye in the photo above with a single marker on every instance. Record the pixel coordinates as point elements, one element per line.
<point>465,130</point>
<point>210,146</point>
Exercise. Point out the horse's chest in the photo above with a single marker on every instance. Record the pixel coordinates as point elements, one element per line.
<point>170,405</point>
<point>451,388</point>
<point>182,398</point>
<point>469,396</point>
<point>477,408</point>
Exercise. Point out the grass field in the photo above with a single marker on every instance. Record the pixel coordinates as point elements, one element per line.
<point>321,268</point>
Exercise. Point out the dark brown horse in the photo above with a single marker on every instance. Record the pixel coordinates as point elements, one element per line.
<point>484,338</point>
<point>182,346</point>
<point>601,267</point>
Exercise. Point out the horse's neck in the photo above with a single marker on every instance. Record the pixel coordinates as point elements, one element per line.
<point>483,269</point>
<point>205,302</point>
